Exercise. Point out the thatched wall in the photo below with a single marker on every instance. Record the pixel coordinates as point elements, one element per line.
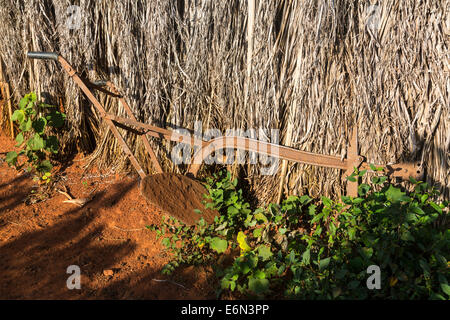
<point>309,68</point>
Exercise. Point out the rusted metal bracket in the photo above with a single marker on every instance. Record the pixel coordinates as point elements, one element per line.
<point>206,148</point>
<point>354,161</point>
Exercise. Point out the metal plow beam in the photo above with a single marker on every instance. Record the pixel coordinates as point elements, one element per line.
<point>353,160</point>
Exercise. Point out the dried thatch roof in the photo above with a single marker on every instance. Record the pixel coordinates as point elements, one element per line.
<point>309,68</point>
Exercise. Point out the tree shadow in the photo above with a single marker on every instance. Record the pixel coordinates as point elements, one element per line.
<point>186,283</point>
<point>15,180</point>
<point>34,265</point>
<point>16,196</point>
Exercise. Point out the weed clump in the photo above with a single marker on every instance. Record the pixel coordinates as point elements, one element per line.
<point>308,248</point>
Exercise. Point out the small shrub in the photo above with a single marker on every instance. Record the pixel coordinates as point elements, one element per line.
<point>318,248</point>
<point>34,119</point>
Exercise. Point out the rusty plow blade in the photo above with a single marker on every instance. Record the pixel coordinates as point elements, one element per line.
<point>179,196</point>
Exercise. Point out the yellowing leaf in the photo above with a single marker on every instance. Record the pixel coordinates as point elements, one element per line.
<point>218,244</point>
<point>393,281</point>
<point>241,239</point>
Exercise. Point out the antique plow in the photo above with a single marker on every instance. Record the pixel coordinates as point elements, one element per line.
<point>353,160</point>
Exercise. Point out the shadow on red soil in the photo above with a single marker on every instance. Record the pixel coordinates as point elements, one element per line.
<point>118,257</point>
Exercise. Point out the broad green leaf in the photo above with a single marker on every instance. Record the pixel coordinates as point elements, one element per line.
<point>19,139</point>
<point>244,267</point>
<point>324,263</point>
<point>312,210</point>
<point>305,199</point>
<point>332,229</point>
<point>317,218</point>
<point>437,296</point>
<point>264,252</point>
<point>45,166</point>
<point>362,173</point>
<point>417,210</point>
<point>39,125</point>
<point>326,201</point>
<point>26,125</point>
<point>366,252</point>
<point>218,244</point>
<point>166,242</point>
<point>436,207</point>
<point>292,199</point>
<point>423,198</point>
<point>257,232</point>
<point>259,274</point>
<point>232,210</point>
<point>445,288</point>
<point>358,200</point>
<point>11,158</point>
<point>318,231</point>
<point>411,217</point>
<point>32,96</point>
<point>260,217</point>
<point>36,143</point>
<point>18,116</point>
<point>407,236</point>
<point>336,292</point>
<point>290,258</point>
<point>55,119</point>
<point>394,194</point>
<point>363,189</point>
<point>412,180</point>
<point>346,199</point>
<point>352,233</point>
<point>382,179</point>
<point>306,256</point>
<point>258,286</point>
<point>23,103</point>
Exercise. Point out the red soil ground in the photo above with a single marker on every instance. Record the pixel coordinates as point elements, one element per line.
<point>107,239</point>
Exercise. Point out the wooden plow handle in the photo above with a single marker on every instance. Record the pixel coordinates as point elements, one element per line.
<point>353,160</point>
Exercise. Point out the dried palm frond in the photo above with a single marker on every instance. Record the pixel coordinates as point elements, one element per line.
<point>311,69</point>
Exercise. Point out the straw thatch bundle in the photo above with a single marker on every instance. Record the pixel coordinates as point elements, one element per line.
<point>309,68</point>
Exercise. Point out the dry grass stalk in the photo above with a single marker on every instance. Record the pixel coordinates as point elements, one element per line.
<point>317,67</point>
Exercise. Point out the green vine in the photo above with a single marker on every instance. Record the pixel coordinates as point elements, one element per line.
<point>35,120</point>
<point>318,248</point>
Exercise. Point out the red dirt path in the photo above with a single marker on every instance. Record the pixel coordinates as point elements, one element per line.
<point>39,241</point>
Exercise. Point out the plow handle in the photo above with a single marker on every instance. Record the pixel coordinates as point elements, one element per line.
<point>42,55</point>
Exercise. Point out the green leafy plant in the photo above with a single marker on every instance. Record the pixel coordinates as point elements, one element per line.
<point>34,119</point>
<point>308,248</point>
